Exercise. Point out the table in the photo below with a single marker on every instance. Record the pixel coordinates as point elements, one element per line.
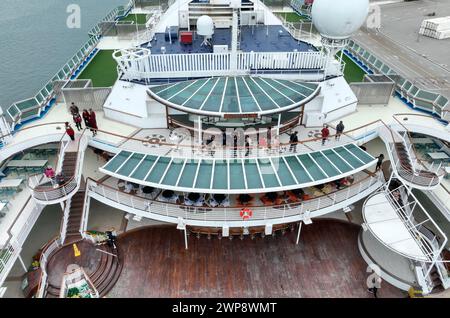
<point>10,183</point>
<point>26,163</point>
<point>438,155</point>
<point>422,141</point>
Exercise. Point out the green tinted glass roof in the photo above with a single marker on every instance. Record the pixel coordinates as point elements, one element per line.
<point>239,174</point>
<point>235,95</point>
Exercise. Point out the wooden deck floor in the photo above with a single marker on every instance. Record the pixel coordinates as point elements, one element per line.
<point>327,263</point>
<point>57,265</point>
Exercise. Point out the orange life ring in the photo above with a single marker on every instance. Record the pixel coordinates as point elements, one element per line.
<point>246,213</point>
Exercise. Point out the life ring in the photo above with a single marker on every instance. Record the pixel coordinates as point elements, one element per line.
<point>246,213</point>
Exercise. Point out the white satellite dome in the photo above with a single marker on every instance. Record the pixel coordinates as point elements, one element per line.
<point>205,26</point>
<point>339,19</point>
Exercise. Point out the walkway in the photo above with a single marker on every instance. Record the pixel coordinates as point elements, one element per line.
<point>327,263</point>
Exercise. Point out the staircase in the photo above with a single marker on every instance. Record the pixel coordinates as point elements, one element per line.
<point>104,276</point>
<point>69,164</point>
<point>70,231</point>
<point>405,164</point>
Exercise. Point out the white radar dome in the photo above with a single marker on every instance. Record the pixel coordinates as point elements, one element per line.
<point>205,26</point>
<point>339,19</point>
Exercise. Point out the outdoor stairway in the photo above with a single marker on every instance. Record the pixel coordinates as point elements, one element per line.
<point>409,172</point>
<point>403,156</point>
<point>75,216</point>
<point>104,276</point>
<point>69,164</point>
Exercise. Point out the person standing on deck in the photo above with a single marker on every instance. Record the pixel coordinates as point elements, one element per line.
<point>247,145</point>
<point>77,120</point>
<point>269,137</point>
<point>92,122</point>
<point>339,130</point>
<point>86,117</point>
<point>325,133</point>
<point>379,162</point>
<point>293,139</point>
<point>74,109</point>
<point>235,145</point>
<point>70,132</point>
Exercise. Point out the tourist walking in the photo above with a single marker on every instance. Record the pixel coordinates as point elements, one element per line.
<point>70,132</point>
<point>85,115</point>
<point>92,122</point>
<point>77,120</point>
<point>339,130</point>
<point>379,162</point>
<point>325,133</point>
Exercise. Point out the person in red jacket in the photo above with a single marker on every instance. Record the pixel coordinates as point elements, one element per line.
<point>92,122</point>
<point>70,131</point>
<point>86,117</point>
<point>325,133</point>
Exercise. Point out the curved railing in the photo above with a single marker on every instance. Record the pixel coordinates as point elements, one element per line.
<point>31,136</point>
<point>192,149</point>
<point>46,252</point>
<point>46,193</point>
<point>403,165</point>
<point>220,214</point>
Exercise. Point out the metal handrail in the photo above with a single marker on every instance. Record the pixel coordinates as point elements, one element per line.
<point>413,147</point>
<point>66,188</point>
<point>47,251</point>
<point>232,213</point>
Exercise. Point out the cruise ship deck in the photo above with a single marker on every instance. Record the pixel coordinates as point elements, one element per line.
<point>225,153</point>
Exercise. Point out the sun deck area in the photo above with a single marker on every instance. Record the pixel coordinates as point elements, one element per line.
<point>259,38</point>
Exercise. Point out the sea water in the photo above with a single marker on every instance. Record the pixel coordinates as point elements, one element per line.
<point>35,41</point>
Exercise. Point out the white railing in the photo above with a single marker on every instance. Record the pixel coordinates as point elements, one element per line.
<point>8,256</point>
<point>65,141</point>
<point>18,233</point>
<point>46,253</point>
<point>47,193</point>
<point>218,64</point>
<point>65,221</point>
<point>417,178</point>
<point>267,213</point>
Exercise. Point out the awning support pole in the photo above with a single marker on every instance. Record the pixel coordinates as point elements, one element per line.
<point>299,231</point>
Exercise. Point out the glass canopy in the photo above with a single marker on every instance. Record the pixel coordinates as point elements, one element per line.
<point>221,96</point>
<point>239,175</point>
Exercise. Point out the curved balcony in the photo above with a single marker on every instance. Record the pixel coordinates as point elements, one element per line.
<point>70,164</point>
<point>422,124</point>
<point>43,191</point>
<point>29,137</point>
<point>419,178</point>
<point>231,216</point>
<point>411,171</point>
